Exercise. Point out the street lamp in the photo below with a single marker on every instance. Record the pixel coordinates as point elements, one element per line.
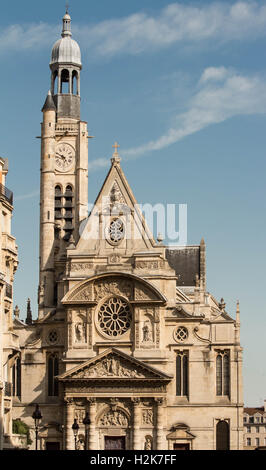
<point>37,416</point>
<point>75,428</point>
<point>86,422</point>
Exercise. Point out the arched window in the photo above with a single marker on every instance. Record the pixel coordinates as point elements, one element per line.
<point>55,83</point>
<point>222,436</point>
<point>65,82</point>
<point>182,373</point>
<point>69,212</point>
<point>16,378</point>
<point>75,83</point>
<point>58,202</point>
<point>223,373</point>
<point>53,370</point>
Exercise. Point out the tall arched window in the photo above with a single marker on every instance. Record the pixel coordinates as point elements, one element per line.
<point>65,83</point>
<point>53,370</point>
<point>69,212</point>
<point>182,373</point>
<point>222,436</point>
<point>16,378</point>
<point>222,373</point>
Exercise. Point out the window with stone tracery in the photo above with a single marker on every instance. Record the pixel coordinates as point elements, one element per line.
<point>53,370</point>
<point>116,231</point>
<point>182,373</point>
<point>222,373</point>
<point>114,317</point>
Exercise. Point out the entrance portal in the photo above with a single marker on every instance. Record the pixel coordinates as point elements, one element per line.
<point>114,443</point>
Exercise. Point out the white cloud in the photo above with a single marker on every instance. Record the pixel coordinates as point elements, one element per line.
<point>178,22</point>
<point>214,73</point>
<point>27,196</point>
<point>214,102</point>
<point>26,37</point>
<point>222,95</point>
<point>141,32</point>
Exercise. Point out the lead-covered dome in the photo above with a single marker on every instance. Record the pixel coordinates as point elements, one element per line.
<point>66,50</point>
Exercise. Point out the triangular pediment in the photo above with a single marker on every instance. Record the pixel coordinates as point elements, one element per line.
<point>114,365</point>
<point>116,213</point>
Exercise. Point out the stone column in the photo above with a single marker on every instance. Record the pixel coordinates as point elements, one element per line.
<point>69,419</point>
<point>159,423</point>
<point>92,444</point>
<point>136,423</point>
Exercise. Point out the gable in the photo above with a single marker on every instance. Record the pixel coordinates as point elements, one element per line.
<point>113,364</point>
<point>115,205</point>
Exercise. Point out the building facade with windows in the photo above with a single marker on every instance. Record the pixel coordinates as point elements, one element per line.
<point>255,427</point>
<point>9,341</point>
<point>127,330</point>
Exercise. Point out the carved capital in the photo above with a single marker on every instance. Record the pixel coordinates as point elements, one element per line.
<point>160,401</point>
<point>135,401</point>
<point>91,400</point>
<point>69,401</point>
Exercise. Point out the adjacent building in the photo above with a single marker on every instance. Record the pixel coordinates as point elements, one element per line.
<point>127,330</point>
<point>9,344</point>
<point>255,427</point>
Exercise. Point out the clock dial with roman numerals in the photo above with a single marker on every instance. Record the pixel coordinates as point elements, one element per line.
<point>64,157</point>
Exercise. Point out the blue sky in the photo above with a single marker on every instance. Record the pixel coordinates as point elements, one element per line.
<point>182,87</point>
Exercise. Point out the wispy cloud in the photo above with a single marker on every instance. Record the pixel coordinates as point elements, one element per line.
<point>27,37</point>
<point>27,196</point>
<point>142,32</point>
<point>220,94</point>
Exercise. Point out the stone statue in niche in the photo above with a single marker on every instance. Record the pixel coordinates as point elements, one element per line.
<point>81,443</point>
<point>148,443</point>
<point>147,332</point>
<point>80,332</point>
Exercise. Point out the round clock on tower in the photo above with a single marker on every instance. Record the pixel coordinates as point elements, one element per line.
<point>64,157</point>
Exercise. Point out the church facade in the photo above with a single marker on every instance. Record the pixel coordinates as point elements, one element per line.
<point>127,333</point>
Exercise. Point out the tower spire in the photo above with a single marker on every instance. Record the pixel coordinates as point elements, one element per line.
<point>29,313</point>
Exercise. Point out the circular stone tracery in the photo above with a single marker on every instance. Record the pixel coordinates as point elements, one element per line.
<point>114,317</point>
<point>116,231</point>
<point>181,334</point>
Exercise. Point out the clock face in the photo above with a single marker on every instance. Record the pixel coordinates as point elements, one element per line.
<point>64,157</point>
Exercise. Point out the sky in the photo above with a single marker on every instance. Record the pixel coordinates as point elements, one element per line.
<point>182,87</point>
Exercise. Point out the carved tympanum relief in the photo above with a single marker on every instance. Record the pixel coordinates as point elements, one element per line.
<point>110,366</point>
<point>114,418</point>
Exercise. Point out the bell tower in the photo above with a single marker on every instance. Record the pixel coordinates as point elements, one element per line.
<point>64,167</point>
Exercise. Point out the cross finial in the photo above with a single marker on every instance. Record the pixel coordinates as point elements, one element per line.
<point>115,146</point>
<point>116,158</point>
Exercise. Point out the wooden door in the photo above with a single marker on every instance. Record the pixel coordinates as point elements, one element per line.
<point>114,443</point>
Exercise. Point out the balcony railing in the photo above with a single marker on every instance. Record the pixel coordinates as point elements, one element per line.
<point>8,195</point>
<point>9,291</point>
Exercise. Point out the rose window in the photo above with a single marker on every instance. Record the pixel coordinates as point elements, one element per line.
<point>181,334</point>
<point>116,231</point>
<point>114,317</point>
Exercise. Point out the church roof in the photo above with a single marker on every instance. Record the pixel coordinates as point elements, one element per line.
<point>185,260</point>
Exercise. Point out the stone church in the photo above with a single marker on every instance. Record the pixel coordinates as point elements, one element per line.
<point>127,333</point>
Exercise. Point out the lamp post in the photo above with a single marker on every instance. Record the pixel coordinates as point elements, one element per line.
<point>86,422</point>
<point>37,416</point>
<point>75,428</point>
